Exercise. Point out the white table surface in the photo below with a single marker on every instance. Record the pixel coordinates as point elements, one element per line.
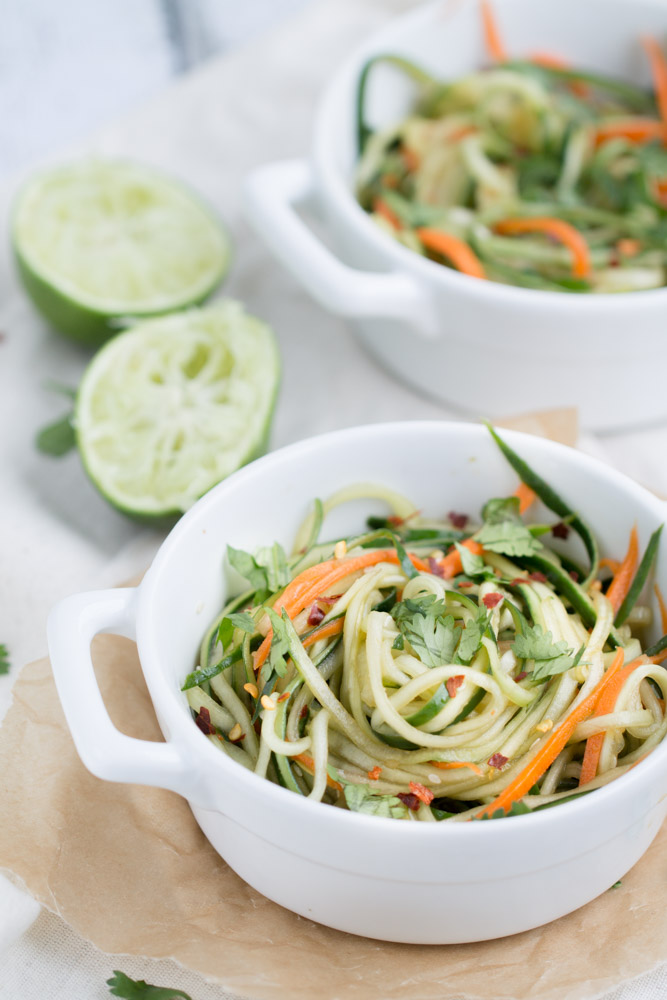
<point>57,536</point>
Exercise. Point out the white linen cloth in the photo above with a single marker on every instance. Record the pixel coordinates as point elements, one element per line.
<point>57,536</point>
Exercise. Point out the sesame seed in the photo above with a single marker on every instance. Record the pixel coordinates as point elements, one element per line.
<point>252,689</point>
<point>235,733</point>
<point>545,726</point>
<point>267,703</point>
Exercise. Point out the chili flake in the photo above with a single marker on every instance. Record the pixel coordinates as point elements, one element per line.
<point>497,760</point>
<point>423,793</point>
<point>453,684</point>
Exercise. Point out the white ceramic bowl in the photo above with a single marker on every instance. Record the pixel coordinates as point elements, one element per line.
<point>520,348</point>
<point>382,878</point>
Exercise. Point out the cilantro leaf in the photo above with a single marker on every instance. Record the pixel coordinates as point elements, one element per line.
<point>471,637</point>
<point>241,620</point>
<point>508,538</point>
<point>359,798</point>
<point>550,657</point>
<point>58,438</point>
<point>247,567</point>
<point>4,659</point>
<point>472,564</point>
<point>500,510</point>
<point>121,985</point>
<point>518,809</point>
<point>428,627</point>
<point>273,561</point>
<point>279,644</point>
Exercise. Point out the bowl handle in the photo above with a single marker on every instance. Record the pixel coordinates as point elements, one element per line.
<point>271,194</point>
<point>104,750</point>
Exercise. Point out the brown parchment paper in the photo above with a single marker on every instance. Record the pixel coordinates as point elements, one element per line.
<point>130,870</point>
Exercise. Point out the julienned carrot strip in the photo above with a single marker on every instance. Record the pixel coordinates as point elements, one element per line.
<point>494,44</point>
<point>612,564</point>
<point>636,130</point>
<point>526,497</point>
<point>330,628</point>
<point>451,565</point>
<point>446,765</point>
<point>410,159</point>
<point>559,230</point>
<point>663,608</point>
<point>454,249</point>
<point>552,746</point>
<point>659,73</point>
<point>380,207</point>
<point>623,577</point>
<point>309,765</point>
<point>606,704</point>
<point>307,586</point>
<point>628,247</point>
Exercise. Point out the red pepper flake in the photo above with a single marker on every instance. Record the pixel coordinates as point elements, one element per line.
<point>203,720</point>
<point>395,521</point>
<point>304,712</point>
<point>410,800</point>
<point>492,600</point>
<point>329,600</point>
<point>453,684</point>
<point>375,773</point>
<point>497,760</point>
<point>423,793</point>
<point>435,567</point>
<point>560,530</point>
<point>538,577</point>
<point>284,696</point>
<point>315,615</point>
<point>458,520</point>
<point>520,677</point>
<point>518,580</point>
<point>574,575</point>
<point>464,584</point>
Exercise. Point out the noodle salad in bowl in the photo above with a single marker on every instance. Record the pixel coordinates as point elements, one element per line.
<point>437,670</point>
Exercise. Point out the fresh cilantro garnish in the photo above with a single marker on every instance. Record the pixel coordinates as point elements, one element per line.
<point>550,657</point>
<point>266,572</point>
<point>4,659</point>
<point>57,438</point>
<point>240,620</point>
<point>471,637</point>
<point>121,985</point>
<point>518,809</point>
<point>472,563</point>
<point>399,642</point>
<point>508,539</point>
<point>429,628</point>
<point>359,798</point>
<point>279,644</point>
<point>502,509</point>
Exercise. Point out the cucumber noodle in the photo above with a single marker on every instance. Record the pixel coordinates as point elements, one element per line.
<point>523,140</point>
<point>430,688</point>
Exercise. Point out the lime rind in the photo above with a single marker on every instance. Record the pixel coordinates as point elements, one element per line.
<point>100,240</point>
<point>170,407</point>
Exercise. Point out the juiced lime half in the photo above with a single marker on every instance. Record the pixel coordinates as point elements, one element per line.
<point>170,407</point>
<point>100,240</point>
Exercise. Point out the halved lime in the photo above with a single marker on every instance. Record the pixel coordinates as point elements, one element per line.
<point>170,407</point>
<point>103,239</point>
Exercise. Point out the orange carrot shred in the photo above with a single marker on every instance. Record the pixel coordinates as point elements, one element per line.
<point>423,793</point>
<point>410,159</point>
<point>329,628</point>
<point>612,564</point>
<point>455,250</point>
<point>659,73</point>
<point>492,39</point>
<point>375,772</point>
<point>526,497</point>
<point>635,130</point>
<point>628,247</point>
<point>452,765</point>
<point>309,765</point>
<point>559,230</point>
<point>315,580</point>
<point>552,746</point>
<point>606,704</point>
<point>623,577</point>
<point>451,565</point>
<point>380,207</point>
